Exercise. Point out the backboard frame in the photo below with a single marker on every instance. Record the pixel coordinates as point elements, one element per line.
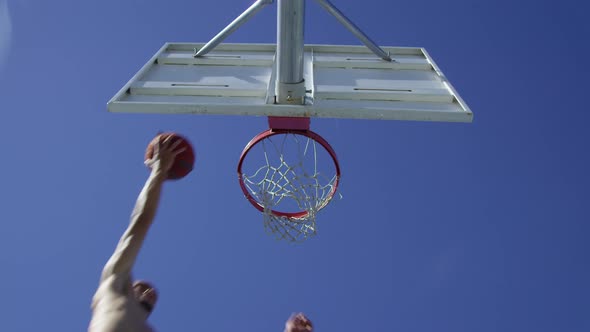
<point>164,84</point>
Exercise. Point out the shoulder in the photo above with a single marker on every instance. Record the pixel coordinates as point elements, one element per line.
<point>112,286</point>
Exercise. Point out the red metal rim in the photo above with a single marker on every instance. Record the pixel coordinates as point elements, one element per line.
<point>271,132</point>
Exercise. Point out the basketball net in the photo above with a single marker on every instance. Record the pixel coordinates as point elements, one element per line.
<point>295,185</point>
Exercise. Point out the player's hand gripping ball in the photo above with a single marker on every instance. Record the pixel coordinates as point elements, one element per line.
<point>184,161</point>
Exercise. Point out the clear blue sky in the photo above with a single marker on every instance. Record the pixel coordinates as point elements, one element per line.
<point>442,227</point>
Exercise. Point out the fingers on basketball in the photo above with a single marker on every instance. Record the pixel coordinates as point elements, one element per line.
<point>176,147</point>
<point>166,140</point>
<point>158,145</point>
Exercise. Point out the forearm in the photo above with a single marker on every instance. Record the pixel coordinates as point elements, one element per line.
<point>141,219</point>
<point>147,202</point>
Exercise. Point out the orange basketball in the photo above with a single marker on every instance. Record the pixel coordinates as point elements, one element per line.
<point>184,162</point>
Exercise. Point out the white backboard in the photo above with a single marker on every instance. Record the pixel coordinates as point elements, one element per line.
<point>342,82</point>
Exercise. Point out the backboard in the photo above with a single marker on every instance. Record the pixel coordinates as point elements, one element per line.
<point>340,82</point>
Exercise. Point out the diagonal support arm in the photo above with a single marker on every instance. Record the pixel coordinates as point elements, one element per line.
<point>354,29</point>
<point>233,26</point>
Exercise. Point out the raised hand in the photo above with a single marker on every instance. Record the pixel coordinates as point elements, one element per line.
<point>165,152</point>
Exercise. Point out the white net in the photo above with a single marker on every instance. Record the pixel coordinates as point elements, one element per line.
<point>290,229</point>
<point>289,185</point>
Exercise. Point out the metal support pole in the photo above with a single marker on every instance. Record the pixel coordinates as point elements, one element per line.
<point>246,15</point>
<point>290,86</point>
<point>354,29</point>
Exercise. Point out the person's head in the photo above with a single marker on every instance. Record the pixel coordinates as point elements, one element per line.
<point>298,323</point>
<point>145,294</point>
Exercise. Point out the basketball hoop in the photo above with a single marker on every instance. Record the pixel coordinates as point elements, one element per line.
<point>367,82</point>
<point>287,186</point>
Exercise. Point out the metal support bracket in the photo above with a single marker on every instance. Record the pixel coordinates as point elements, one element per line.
<point>233,26</point>
<point>355,30</point>
<point>289,87</point>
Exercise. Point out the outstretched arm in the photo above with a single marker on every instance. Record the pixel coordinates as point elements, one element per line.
<point>144,211</point>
